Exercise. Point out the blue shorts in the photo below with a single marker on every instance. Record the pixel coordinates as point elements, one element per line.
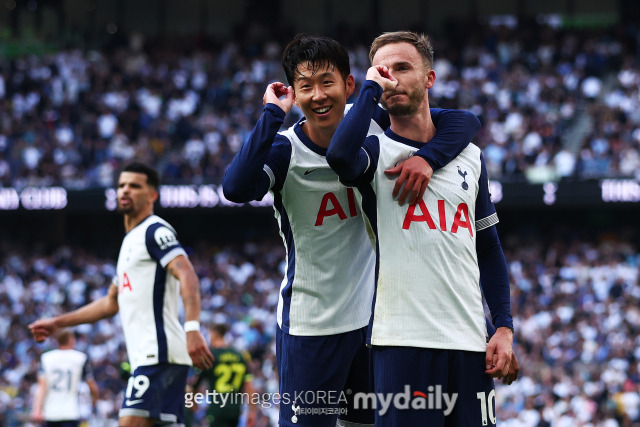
<point>432,388</point>
<point>156,392</point>
<point>319,376</point>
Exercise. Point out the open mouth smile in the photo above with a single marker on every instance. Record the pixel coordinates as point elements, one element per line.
<point>322,110</point>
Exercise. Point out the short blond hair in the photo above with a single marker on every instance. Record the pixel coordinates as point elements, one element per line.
<point>420,41</point>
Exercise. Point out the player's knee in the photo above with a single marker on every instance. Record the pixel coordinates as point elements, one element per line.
<point>131,421</point>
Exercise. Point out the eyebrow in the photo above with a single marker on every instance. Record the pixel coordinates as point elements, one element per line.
<point>304,77</point>
<point>399,63</point>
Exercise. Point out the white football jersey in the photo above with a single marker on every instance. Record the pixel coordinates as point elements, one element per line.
<point>63,370</point>
<point>329,281</point>
<point>428,287</point>
<point>148,295</point>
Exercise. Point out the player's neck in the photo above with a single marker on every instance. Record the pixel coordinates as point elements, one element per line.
<point>417,127</point>
<point>130,221</point>
<point>320,137</point>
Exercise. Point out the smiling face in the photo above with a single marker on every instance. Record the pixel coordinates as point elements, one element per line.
<point>408,68</point>
<point>321,93</point>
<point>135,195</point>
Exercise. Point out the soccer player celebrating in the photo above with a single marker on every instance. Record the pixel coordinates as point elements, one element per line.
<point>327,291</point>
<point>153,270</point>
<point>435,257</point>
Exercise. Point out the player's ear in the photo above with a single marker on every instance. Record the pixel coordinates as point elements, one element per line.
<point>430,80</point>
<point>295,98</point>
<point>350,85</point>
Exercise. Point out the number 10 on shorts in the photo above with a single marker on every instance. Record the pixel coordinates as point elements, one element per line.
<point>486,406</point>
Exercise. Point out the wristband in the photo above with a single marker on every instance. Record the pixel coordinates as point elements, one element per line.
<point>191,325</point>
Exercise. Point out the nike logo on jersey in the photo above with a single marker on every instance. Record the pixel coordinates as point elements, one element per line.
<point>129,402</point>
<point>308,171</point>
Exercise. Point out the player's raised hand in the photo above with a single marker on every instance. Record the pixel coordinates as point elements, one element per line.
<point>381,75</point>
<point>499,353</point>
<point>415,173</point>
<point>199,351</point>
<point>275,93</point>
<point>43,329</point>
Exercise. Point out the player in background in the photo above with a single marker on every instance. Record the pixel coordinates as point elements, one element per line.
<point>61,372</point>
<point>327,290</point>
<point>230,379</point>
<point>435,258</point>
<point>153,272</point>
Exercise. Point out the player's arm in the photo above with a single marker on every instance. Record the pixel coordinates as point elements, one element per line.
<point>346,155</point>
<point>454,131</point>
<point>246,179</point>
<point>107,306</point>
<point>38,400</point>
<point>252,415</point>
<point>87,375</point>
<point>494,280</point>
<point>93,390</point>
<point>181,268</point>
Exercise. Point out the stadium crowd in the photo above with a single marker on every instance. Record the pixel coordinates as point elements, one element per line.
<point>73,117</point>
<point>575,301</point>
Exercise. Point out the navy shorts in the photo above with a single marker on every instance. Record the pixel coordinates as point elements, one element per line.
<point>431,388</point>
<point>156,392</point>
<point>68,423</point>
<point>319,377</point>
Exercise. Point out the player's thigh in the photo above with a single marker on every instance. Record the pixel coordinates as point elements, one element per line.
<point>156,392</point>
<point>313,372</point>
<point>432,388</point>
<point>407,381</point>
<point>359,381</point>
<point>474,391</point>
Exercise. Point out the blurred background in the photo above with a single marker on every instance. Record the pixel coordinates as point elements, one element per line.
<point>88,86</point>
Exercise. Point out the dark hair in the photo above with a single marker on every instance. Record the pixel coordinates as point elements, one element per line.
<point>317,51</point>
<point>420,41</point>
<point>151,173</point>
<point>220,329</point>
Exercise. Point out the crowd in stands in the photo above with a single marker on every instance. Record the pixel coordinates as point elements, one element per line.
<point>575,302</point>
<point>554,104</point>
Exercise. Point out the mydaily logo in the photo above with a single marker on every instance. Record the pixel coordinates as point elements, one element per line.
<point>433,399</point>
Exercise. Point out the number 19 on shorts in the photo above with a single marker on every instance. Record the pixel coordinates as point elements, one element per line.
<point>486,407</point>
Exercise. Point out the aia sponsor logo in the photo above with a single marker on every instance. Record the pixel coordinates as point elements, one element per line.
<point>459,220</point>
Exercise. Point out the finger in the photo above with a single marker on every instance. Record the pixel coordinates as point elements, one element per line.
<point>488,358</point>
<point>394,170</point>
<point>502,364</point>
<point>415,190</point>
<point>408,187</point>
<point>422,190</point>
<point>209,357</point>
<point>399,181</point>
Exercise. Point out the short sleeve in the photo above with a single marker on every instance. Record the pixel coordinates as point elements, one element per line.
<point>162,244</point>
